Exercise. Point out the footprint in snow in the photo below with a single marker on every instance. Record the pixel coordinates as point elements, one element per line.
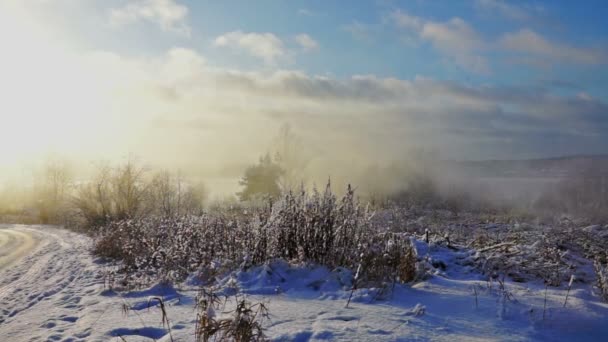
<point>49,325</point>
<point>70,319</point>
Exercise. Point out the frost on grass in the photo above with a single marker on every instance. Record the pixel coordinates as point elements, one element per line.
<point>602,278</point>
<point>301,228</point>
<point>505,269</point>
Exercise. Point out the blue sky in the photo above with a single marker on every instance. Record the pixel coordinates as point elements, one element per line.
<point>364,37</point>
<point>475,79</point>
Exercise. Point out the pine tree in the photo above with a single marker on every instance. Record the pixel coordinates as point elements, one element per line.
<point>261,179</point>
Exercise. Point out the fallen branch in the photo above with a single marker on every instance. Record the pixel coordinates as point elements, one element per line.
<point>504,244</point>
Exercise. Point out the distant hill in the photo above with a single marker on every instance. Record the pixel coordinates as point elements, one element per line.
<point>587,165</point>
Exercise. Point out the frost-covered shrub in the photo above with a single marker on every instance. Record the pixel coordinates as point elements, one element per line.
<point>321,229</point>
<point>314,228</point>
<point>172,248</point>
<point>389,257</point>
<point>601,271</point>
<point>122,240</point>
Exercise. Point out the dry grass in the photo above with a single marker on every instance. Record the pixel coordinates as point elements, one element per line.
<point>601,271</point>
<point>317,228</point>
<point>243,324</point>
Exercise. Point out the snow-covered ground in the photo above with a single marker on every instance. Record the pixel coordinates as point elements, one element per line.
<point>52,289</point>
<point>49,285</point>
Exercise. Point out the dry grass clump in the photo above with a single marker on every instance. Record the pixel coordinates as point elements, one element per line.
<point>322,229</point>
<point>206,324</point>
<point>164,316</point>
<point>521,262</point>
<point>406,267</point>
<point>172,248</point>
<point>601,271</point>
<point>243,324</point>
<point>316,228</point>
<point>389,258</point>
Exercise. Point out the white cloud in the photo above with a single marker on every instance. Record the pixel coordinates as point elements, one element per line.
<point>454,38</point>
<point>404,20</point>
<point>306,42</point>
<point>266,46</point>
<point>464,46</point>
<point>197,105</point>
<point>453,35</point>
<point>168,14</point>
<point>459,41</point>
<point>529,42</point>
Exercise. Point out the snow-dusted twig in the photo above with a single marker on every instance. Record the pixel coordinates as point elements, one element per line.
<point>569,287</point>
<point>354,287</point>
<point>504,244</point>
<point>545,305</point>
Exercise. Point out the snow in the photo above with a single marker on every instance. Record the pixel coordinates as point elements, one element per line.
<point>598,230</point>
<point>53,290</point>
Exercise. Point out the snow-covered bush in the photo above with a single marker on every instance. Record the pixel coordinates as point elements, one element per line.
<point>172,248</point>
<point>601,271</point>
<point>315,228</point>
<point>322,229</point>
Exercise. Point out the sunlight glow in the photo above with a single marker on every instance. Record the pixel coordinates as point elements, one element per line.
<point>49,99</point>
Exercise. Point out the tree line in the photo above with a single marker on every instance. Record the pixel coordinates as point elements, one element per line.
<point>114,192</point>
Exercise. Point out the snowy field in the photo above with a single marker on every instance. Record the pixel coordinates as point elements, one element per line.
<point>53,289</point>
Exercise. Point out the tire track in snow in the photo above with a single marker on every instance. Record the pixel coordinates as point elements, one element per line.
<point>47,291</point>
<point>26,279</point>
<point>47,273</point>
<point>14,245</point>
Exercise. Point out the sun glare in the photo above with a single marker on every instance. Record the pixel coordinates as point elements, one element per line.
<point>48,94</point>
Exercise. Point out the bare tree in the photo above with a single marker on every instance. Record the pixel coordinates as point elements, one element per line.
<point>164,193</point>
<point>112,194</point>
<point>93,199</point>
<point>52,185</point>
<point>193,199</point>
<point>289,155</point>
<point>129,190</point>
<point>172,195</point>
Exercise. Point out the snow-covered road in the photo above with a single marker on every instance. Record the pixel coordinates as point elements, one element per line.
<point>44,275</point>
<point>14,244</point>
